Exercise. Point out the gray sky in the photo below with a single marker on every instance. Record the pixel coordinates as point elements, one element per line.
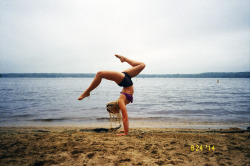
<point>82,36</point>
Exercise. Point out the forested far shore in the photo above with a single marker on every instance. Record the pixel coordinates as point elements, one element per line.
<point>90,75</point>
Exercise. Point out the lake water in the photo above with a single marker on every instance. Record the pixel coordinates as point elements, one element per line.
<point>161,101</point>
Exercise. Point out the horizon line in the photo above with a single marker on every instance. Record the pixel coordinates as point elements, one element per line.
<point>140,74</point>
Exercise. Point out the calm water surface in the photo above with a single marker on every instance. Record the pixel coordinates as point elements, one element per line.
<point>53,101</point>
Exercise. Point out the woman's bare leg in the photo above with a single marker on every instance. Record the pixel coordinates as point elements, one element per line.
<point>136,68</point>
<point>109,75</point>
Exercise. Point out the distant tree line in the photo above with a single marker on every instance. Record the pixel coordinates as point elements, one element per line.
<point>48,75</point>
<point>90,75</point>
<point>201,75</point>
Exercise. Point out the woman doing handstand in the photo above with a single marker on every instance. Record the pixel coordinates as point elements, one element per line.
<point>123,79</point>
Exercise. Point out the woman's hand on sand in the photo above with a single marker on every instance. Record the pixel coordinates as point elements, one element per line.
<point>122,134</point>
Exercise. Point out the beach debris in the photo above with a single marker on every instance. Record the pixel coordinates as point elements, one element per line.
<point>228,131</point>
<point>98,130</point>
<point>41,131</point>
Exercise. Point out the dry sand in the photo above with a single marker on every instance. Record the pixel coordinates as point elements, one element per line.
<point>78,146</point>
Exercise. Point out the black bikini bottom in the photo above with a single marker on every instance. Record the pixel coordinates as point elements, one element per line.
<point>126,82</point>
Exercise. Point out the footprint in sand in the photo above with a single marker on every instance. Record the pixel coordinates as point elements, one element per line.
<point>90,155</point>
<point>125,160</point>
<point>147,146</point>
<point>173,142</point>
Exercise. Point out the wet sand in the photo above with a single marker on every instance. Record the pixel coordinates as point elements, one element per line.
<point>143,146</point>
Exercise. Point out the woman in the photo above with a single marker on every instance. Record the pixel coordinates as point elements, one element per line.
<point>122,79</point>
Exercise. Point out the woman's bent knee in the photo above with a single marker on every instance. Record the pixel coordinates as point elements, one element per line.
<point>99,74</point>
<point>143,65</point>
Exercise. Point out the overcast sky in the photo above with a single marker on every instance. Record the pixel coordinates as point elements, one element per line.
<point>82,36</point>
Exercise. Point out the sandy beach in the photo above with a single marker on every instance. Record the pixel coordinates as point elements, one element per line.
<point>35,146</point>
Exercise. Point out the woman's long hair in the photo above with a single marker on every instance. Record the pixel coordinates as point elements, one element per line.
<point>114,112</point>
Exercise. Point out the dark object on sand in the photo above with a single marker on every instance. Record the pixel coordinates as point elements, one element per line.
<point>98,130</point>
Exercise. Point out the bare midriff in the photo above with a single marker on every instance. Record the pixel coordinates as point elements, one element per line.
<point>128,90</point>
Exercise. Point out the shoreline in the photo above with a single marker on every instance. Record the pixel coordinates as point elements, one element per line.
<point>133,124</point>
<point>60,145</point>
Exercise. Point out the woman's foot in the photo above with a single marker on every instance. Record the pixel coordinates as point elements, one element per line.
<point>122,59</point>
<point>85,94</point>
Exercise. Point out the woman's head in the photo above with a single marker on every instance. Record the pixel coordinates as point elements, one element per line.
<point>113,107</point>
<point>114,112</point>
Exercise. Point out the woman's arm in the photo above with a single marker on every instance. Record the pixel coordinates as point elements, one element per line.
<point>124,115</point>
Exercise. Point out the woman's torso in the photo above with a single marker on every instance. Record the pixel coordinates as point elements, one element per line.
<point>128,90</point>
